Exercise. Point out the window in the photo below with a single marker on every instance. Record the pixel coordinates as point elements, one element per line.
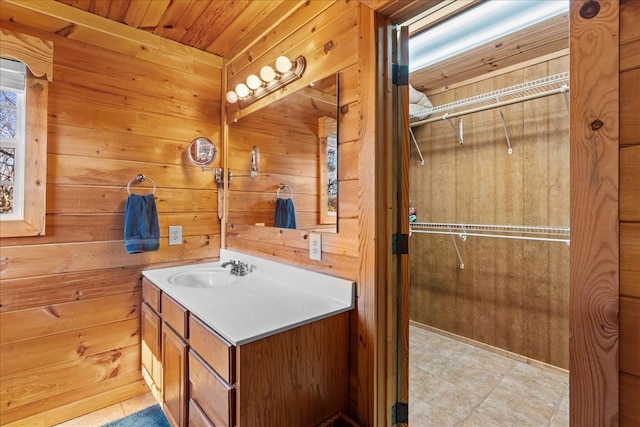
<point>26,67</point>
<point>12,126</point>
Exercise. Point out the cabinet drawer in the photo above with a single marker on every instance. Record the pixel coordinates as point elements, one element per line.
<point>151,352</point>
<point>151,295</point>
<point>212,394</point>
<point>218,353</point>
<point>197,417</point>
<point>174,315</point>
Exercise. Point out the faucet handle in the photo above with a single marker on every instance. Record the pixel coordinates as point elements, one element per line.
<point>242,268</point>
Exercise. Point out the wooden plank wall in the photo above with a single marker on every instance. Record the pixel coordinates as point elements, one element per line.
<point>595,250</point>
<point>629,213</point>
<point>70,300</point>
<point>336,38</point>
<point>511,294</point>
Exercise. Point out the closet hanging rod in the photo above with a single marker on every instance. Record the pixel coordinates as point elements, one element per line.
<point>522,232</point>
<point>445,116</point>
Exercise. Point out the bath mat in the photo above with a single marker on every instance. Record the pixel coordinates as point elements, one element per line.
<point>148,417</point>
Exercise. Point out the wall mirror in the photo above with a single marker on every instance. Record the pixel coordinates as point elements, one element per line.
<point>298,140</point>
<point>202,152</point>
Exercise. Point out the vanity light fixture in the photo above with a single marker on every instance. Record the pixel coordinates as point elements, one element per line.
<point>256,87</point>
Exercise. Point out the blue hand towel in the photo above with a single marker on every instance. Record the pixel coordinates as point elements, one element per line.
<point>285,213</point>
<point>141,229</point>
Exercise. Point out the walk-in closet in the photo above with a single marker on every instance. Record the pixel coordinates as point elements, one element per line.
<point>489,218</point>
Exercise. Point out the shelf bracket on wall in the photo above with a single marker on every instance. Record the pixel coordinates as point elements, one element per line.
<point>455,246</point>
<point>459,132</point>
<point>417,146</point>
<point>564,89</point>
<point>504,126</point>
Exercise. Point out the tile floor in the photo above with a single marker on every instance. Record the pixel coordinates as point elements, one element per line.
<point>454,384</point>
<point>112,413</point>
<point>451,384</point>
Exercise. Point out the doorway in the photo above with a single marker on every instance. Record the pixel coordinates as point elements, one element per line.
<point>489,245</point>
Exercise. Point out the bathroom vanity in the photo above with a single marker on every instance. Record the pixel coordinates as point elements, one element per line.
<point>269,348</point>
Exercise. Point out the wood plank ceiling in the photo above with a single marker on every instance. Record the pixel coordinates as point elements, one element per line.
<point>221,27</point>
<point>227,27</point>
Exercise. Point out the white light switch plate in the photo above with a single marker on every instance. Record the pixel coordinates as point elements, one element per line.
<point>315,246</point>
<point>175,235</point>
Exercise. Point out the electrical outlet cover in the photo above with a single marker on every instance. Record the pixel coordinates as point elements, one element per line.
<point>175,235</point>
<point>315,246</point>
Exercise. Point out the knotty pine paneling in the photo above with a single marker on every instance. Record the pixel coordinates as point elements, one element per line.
<point>629,255</point>
<point>511,294</point>
<point>629,214</point>
<point>66,346</point>
<point>70,300</point>
<point>629,397</point>
<point>46,388</point>
<point>340,39</point>
<point>595,260</point>
<point>630,335</point>
<point>629,183</point>
<point>72,316</point>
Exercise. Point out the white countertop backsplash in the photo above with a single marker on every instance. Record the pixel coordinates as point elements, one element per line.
<point>271,298</point>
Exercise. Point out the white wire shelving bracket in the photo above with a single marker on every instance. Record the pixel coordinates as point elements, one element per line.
<point>520,232</point>
<point>413,138</point>
<point>540,88</point>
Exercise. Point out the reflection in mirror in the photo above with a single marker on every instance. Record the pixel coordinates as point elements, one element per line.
<point>202,152</point>
<point>328,155</point>
<point>297,136</point>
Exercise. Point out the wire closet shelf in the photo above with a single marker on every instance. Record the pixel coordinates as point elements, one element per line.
<point>546,86</point>
<point>521,232</point>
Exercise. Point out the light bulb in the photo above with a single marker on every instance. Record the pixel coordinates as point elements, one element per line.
<point>232,97</point>
<point>242,90</point>
<point>283,64</point>
<point>267,74</point>
<point>254,82</point>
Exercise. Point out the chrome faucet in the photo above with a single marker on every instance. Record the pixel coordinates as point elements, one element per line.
<point>237,268</point>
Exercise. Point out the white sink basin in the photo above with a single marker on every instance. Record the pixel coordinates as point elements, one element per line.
<point>211,277</point>
<point>272,298</point>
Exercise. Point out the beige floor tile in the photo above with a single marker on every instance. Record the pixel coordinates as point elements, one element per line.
<point>423,414</point>
<point>138,403</point>
<point>111,413</point>
<point>491,360</point>
<point>472,375</point>
<point>560,419</point>
<point>97,418</point>
<point>437,354</point>
<point>454,384</point>
<point>419,336</point>
<point>439,394</point>
<point>519,406</point>
<point>537,384</point>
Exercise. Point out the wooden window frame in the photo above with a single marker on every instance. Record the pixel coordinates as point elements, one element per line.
<point>37,55</point>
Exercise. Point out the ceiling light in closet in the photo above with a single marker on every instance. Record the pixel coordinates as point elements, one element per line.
<point>481,24</point>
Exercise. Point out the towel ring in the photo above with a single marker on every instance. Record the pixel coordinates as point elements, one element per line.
<point>140,178</point>
<point>282,187</point>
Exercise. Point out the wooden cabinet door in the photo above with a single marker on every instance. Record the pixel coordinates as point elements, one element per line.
<point>197,418</point>
<point>174,377</point>
<point>214,396</point>
<point>151,351</point>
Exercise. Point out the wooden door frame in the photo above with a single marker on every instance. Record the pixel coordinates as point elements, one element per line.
<point>594,181</point>
<point>595,240</point>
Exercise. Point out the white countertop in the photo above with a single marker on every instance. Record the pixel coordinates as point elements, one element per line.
<point>272,298</point>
